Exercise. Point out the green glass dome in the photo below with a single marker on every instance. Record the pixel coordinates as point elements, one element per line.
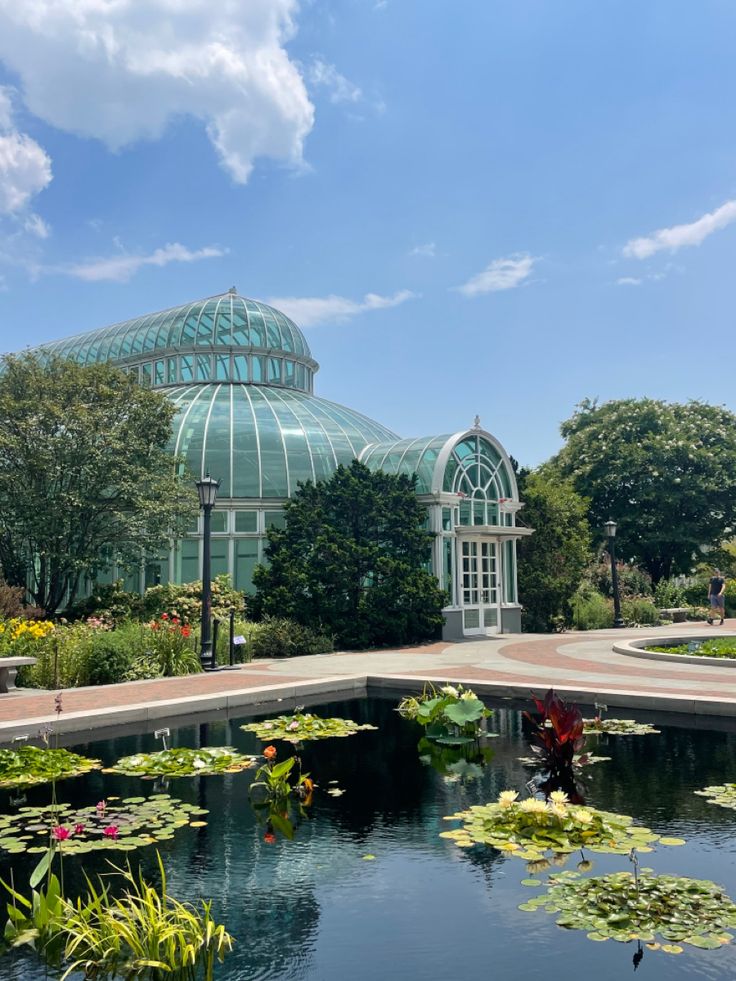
<point>260,441</point>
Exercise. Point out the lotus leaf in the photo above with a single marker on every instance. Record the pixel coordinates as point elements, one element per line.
<point>617,727</point>
<point>531,828</point>
<point>450,714</point>
<point>30,765</point>
<point>691,911</point>
<point>723,795</point>
<point>302,727</point>
<point>184,762</point>
<point>121,825</point>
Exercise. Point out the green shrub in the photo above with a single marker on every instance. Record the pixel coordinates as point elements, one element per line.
<point>110,659</point>
<point>696,592</point>
<point>108,602</point>
<point>165,650</point>
<point>62,659</point>
<point>185,600</point>
<point>669,595</point>
<point>632,581</point>
<point>279,637</point>
<point>590,610</point>
<point>640,611</point>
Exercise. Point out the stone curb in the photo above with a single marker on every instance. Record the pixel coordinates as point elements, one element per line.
<point>637,648</point>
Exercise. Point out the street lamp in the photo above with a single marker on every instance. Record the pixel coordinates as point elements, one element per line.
<point>610,527</point>
<point>207,490</point>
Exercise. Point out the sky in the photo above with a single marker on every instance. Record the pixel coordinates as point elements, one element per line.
<point>470,207</point>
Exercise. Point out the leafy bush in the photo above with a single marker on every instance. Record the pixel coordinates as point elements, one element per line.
<point>111,659</point>
<point>640,611</point>
<point>590,610</point>
<point>185,600</point>
<point>12,603</point>
<point>696,592</point>
<point>632,581</point>
<point>165,651</point>
<point>669,594</point>
<point>109,602</point>
<point>62,659</point>
<point>279,637</point>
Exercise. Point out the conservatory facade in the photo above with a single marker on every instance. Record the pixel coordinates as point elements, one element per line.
<point>242,377</point>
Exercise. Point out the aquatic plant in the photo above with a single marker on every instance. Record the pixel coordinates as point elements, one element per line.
<point>137,821</point>
<point>280,793</point>
<point>302,727</point>
<point>30,765</point>
<point>456,764</point>
<point>617,727</point>
<point>183,762</point>
<point>143,934</point>
<point>724,795</point>
<point>557,735</point>
<point>624,907</point>
<point>450,714</point>
<point>531,828</point>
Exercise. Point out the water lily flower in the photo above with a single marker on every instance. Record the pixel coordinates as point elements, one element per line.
<point>583,816</point>
<point>101,805</point>
<point>507,797</point>
<point>111,831</point>
<point>449,690</point>
<point>269,838</point>
<point>293,725</point>
<point>559,810</point>
<point>78,829</point>
<point>559,797</point>
<point>533,806</point>
<point>270,752</point>
<point>60,833</point>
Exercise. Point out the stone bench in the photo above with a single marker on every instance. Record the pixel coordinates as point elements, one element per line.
<point>677,613</point>
<point>9,669</point>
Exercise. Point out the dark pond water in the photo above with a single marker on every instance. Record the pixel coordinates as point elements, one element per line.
<point>315,909</point>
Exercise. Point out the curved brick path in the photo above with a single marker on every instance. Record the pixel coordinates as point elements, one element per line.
<point>582,664</point>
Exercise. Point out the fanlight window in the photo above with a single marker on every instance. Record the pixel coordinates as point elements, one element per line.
<point>478,475</point>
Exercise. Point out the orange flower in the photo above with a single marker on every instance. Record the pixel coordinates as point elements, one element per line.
<point>269,752</point>
<point>269,838</point>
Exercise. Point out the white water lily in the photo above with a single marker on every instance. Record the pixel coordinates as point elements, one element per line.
<point>583,816</point>
<point>533,806</point>
<point>449,690</point>
<point>559,797</point>
<point>507,797</point>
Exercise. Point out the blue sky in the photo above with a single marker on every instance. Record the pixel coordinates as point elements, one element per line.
<point>472,207</point>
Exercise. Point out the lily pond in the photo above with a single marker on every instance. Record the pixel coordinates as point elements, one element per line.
<point>360,884</point>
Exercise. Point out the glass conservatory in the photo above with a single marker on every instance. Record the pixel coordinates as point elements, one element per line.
<point>242,377</point>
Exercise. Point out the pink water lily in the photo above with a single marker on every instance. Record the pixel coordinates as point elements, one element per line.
<point>111,831</point>
<point>101,805</point>
<point>60,833</point>
<point>78,829</point>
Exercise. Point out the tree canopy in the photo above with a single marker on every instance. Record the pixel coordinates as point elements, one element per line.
<point>352,559</point>
<point>84,474</point>
<point>665,472</point>
<point>552,560</point>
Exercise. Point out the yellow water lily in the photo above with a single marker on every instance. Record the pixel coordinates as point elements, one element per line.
<point>533,806</point>
<point>507,797</point>
<point>559,797</point>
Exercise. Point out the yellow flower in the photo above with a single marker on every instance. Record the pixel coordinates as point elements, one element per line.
<point>559,797</point>
<point>507,797</point>
<point>559,810</point>
<point>533,806</point>
<point>583,816</point>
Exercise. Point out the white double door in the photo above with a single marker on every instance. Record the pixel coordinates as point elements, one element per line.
<point>479,586</point>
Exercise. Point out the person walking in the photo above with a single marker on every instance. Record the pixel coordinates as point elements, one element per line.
<point>716,596</point>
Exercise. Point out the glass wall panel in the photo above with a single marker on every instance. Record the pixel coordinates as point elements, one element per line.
<point>217,447</point>
<point>447,519</point>
<point>246,459</point>
<point>239,325</point>
<point>188,566</point>
<point>171,376</point>
<point>289,375</point>
<point>246,521</point>
<point>274,371</point>
<point>258,368</point>
<point>246,559</point>
<point>273,460</point>
<point>326,450</point>
<point>146,375</point>
<point>220,560</point>
<point>240,368</point>
<point>218,521</point>
<point>186,368</point>
<point>301,379</point>
<point>158,373</point>
<point>295,440</point>
<point>275,519</point>
<point>204,367</point>
<point>192,431</point>
<point>257,331</point>
<point>222,369</point>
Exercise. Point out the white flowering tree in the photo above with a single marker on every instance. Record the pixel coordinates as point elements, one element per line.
<point>665,472</point>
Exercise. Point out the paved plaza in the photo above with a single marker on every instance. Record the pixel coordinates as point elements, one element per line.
<point>581,665</point>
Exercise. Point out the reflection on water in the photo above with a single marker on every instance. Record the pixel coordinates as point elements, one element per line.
<point>317,909</point>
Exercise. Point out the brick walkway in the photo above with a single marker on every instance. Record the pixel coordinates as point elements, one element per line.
<point>582,663</point>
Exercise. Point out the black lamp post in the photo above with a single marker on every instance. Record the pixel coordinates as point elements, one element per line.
<point>207,490</point>
<point>610,526</point>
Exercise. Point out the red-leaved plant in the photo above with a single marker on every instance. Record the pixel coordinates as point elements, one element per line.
<point>557,737</point>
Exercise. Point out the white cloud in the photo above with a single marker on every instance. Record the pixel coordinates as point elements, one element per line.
<point>501,274</point>
<point>25,167</point>
<point>678,236</point>
<point>121,70</point>
<point>428,249</point>
<point>323,75</point>
<point>311,311</point>
<point>629,281</point>
<point>121,268</point>
<point>35,225</point>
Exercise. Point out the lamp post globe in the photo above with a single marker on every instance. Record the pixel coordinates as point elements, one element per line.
<point>610,530</point>
<point>207,490</point>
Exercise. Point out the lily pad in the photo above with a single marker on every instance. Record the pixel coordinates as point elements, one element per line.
<point>184,762</point>
<point>29,765</point>
<point>617,727</point>
<point>723,795</point>
<point>679,910</point>
<point>304,726</point>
